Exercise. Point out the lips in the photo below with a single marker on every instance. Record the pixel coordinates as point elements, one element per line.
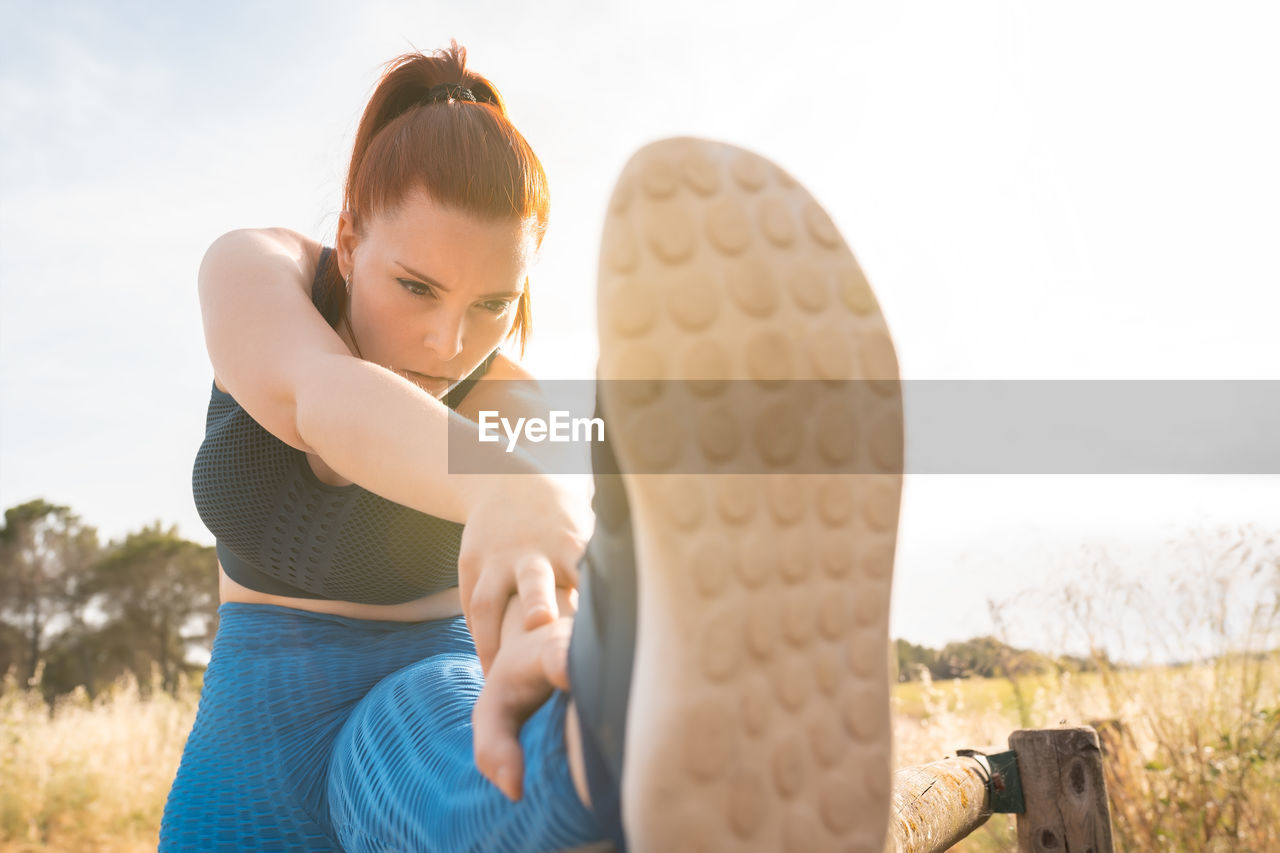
<point>431,376</point>
<point>428,379</point>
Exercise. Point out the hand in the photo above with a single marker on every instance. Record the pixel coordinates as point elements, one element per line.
<point>523,536</point>
<point>530,663</point>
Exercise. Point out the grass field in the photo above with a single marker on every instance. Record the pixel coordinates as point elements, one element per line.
<point>88,776</point>
<point>1196,766</point>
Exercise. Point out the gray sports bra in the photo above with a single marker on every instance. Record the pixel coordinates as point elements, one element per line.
<point>283,531</point>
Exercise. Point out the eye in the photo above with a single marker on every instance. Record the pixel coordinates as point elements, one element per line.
<point>417,288</point>
<point>496,306</point>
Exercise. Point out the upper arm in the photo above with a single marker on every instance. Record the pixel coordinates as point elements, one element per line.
<point>262,331</point>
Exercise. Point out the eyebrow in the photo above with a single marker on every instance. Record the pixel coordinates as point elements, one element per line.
<point>514,294</point>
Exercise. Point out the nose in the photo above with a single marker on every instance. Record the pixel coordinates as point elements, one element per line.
<point>443,335</point>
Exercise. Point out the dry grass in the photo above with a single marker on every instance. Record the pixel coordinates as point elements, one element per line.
<point>88,775</point>
<point>1195,766</point>
<point>1192,752</point>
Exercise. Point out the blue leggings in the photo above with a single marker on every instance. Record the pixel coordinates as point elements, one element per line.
<point>323,733</point>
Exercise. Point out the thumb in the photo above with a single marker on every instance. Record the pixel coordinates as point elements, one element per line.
<point>495,728</point>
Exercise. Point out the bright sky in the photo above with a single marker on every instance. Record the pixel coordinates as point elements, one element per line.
<point>1053,191</point>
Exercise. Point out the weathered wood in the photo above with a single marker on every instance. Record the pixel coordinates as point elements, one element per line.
<point>935,805</point>
<point>1065,792</point>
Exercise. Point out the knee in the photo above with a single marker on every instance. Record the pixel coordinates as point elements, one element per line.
<point>426,694</point>
<point>409,736</point>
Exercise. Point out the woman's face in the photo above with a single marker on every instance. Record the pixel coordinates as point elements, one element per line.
<point>433,290</point>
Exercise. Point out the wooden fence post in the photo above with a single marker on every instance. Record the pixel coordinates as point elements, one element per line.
<point>1064,789</point>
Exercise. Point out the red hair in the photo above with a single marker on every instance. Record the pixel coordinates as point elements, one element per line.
<point>464,155</point>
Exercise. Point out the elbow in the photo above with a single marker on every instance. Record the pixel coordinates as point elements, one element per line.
<point>235,251</point>
<point>223,247</point>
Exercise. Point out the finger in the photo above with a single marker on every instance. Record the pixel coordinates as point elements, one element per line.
<point>554,656</point>
<point>566,573</point>
<point>536,584</point>
<point>497,748</point>
<point>568,602</point>
<point>488,604</point>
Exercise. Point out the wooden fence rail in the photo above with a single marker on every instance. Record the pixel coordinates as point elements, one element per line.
<point>1051,778</point>
<point>935,805</point>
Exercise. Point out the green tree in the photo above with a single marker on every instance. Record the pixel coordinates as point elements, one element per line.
<point>46,560</point>
<point>158,592</point>
<point>910,658</point>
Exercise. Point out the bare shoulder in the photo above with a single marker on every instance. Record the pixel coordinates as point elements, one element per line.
<point>506,387</point>
<point>260,246</point>
<point>263,333</point>
<point>509,394</point>
<point>505,367</point>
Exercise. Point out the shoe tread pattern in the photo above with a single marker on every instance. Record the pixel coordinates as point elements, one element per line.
<point>759,711</point>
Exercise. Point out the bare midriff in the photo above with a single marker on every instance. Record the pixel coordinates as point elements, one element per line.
<point>440,605</point>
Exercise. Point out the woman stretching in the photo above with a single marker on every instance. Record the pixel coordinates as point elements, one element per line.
<point>398,665</point>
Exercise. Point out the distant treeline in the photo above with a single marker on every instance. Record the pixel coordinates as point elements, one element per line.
<point>77,611</point>
<point>982,657</point>
<point>82,612</point>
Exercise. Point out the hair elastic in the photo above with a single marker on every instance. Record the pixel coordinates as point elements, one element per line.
<point>448,92</point>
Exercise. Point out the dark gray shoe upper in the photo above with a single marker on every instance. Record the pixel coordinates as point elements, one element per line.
<point>602,647</point>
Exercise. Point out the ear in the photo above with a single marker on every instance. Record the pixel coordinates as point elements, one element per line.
<point>345,242</point>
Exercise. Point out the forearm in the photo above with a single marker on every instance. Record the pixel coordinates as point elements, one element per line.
<point>383,433</point>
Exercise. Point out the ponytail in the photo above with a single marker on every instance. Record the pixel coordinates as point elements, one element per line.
<point>463,154</point>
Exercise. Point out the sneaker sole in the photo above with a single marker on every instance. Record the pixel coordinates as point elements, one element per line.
<point>759,710</point>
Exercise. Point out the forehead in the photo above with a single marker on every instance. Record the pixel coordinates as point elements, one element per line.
<point>445,241</point>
